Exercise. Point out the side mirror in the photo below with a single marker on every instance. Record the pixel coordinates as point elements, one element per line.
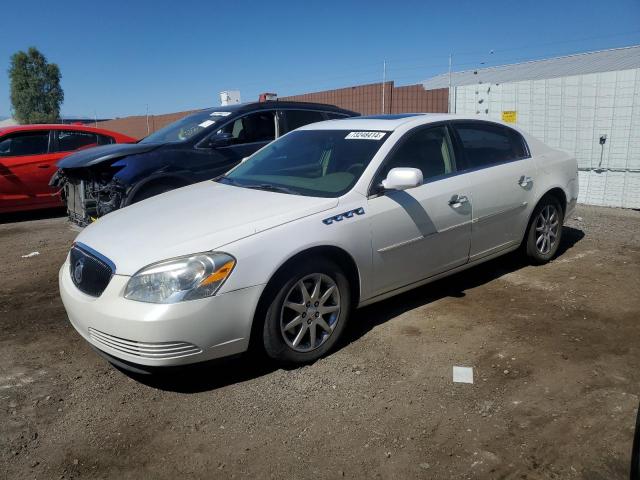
<point>403,179</point>
<point>220,140</point>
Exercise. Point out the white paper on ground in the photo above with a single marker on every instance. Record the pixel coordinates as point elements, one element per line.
<point>463,374</point>
<point>32,254</point>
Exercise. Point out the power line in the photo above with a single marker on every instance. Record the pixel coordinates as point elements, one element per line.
<point>366,73</point>
<point>544,44</point>
<point>392,68</point>
<point>292,83</point>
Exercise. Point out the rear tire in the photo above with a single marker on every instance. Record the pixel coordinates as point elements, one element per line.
<point>309,312</point>
<point>544,232</point>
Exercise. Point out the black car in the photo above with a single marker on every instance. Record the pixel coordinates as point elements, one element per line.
<point>198,147</point>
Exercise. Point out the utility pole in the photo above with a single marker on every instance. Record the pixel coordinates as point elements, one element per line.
<point>148,131</point>
<point>449,95</point>
<point>384,81</point>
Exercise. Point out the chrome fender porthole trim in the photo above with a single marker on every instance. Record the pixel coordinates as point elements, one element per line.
<point>342,216</point>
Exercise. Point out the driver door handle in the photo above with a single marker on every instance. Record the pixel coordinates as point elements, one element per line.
<point>458,200</point>
<point>524,181</point>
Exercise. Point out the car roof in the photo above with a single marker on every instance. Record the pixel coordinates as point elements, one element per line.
<point>389,123</point>
<point>275,104</point>
<point>56,126</point>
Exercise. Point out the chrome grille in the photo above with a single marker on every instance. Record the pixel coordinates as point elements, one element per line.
<point>150,350</point>
<point>90,271</point>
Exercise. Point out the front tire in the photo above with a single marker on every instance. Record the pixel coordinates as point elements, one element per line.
<point>152,191</point>
<point>544,232</point>
<point>309,312</point>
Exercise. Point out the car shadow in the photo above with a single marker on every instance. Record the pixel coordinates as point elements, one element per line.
<point>367,318</point>
<point>206,376</point>
<point>228,371</point>
<point>415,210</point>
<point>16,217</point>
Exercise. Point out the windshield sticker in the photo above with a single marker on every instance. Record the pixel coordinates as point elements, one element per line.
<point>364,136</point>
<point>220,114</point>
<point>206,123</point>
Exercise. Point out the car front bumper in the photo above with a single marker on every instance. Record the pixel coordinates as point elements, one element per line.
<point>159,335</point>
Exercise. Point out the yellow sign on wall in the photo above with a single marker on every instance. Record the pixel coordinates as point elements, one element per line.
<point>509,116</point>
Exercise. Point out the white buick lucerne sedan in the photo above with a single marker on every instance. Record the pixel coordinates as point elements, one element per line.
<point>330,217</point>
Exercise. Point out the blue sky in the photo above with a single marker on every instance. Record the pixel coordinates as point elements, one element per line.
<point>118,57</point>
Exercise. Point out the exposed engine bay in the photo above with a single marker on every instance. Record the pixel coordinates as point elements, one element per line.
<point>89,193</point>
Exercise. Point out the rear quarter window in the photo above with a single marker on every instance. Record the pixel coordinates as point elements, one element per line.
<point>336,116</point>
<point>105,139</point>
<point>300,118</point>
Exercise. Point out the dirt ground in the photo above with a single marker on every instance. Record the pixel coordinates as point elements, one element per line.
<point>554,351</point>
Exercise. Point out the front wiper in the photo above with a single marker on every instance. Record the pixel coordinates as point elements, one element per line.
<point>225,179</point>
<point>255,186</point>
<point>270,188</point>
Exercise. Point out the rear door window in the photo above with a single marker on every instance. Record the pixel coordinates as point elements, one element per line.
<point>25,143</point>
<point>300,118</point>
<point>487,144</point>
<point>252,128</point>
<point>69,140</point>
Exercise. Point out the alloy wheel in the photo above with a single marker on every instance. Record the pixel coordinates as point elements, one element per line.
<point>310,312</point>
<point>547,227</point>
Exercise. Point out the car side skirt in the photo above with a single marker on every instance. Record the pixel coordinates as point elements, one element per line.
<point>411,286</point>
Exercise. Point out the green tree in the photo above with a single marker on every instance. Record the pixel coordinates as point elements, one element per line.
<point>36,94</point>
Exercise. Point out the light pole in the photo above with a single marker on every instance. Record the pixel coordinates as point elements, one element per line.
<point>384,81</point>
<point>148,131</point>
<point>449,94</point>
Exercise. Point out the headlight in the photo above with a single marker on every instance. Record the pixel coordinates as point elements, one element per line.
<point>185,278</point>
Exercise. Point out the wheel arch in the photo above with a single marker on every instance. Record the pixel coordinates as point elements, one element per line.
<point>174,180</point>
<point>330,252</point>
<point>559,194</point>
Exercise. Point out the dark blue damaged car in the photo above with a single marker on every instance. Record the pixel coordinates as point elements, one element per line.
<point>198,147</point>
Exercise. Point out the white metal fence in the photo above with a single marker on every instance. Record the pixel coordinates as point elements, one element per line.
<point>595,116</point>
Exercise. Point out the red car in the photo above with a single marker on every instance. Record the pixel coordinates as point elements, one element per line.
<point>28,157</point>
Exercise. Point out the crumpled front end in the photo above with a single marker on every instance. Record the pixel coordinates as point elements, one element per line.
<point>89,193</point>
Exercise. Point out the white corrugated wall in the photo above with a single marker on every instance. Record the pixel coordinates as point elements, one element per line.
<point>572,113</point>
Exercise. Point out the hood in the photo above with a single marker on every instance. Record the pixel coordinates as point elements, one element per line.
<point>198,218</point>
<point>93,156</point>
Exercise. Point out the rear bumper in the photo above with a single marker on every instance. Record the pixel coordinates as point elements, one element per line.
<point>158,335</point>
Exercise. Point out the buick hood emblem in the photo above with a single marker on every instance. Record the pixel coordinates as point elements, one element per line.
<point>77,270</point>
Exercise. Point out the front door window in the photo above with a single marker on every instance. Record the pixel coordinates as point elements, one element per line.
<point>23,144</point>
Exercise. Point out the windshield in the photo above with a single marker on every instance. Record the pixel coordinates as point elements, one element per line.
<point>317,163</point>
<point>186,128</point>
